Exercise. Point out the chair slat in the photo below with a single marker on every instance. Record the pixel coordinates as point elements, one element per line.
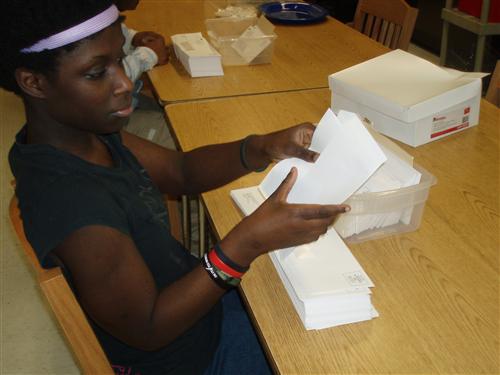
<point>372,15</point>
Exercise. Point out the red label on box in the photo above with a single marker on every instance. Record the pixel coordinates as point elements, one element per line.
<point>464,125</point>
<point>449,122</point>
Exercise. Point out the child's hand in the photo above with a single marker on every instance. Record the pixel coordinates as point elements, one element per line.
<point>287,143</point>
<point>277,225</point>
<point>154,41</point>
<point>291,142</point>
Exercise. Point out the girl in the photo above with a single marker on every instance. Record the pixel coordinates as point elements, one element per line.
<point>90,198</point>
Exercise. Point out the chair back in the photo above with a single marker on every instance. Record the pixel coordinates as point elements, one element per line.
<point>82,341</point>
<point>390,22</point>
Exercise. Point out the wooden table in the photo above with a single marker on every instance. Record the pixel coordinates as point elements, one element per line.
<point>303,58</point>
<point>437,289</point>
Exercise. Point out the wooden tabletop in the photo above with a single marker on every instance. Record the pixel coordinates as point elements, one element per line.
<point>436,289</point>
<point>303,58</point>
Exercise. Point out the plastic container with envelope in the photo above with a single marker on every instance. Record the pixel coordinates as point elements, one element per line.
<point>242,41</point>
<point>389,212</point>
<point>387,192</point>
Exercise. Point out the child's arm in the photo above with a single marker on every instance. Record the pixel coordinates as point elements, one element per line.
<point>209,167</point>
<point>143,50</point>
<point>116,288</point>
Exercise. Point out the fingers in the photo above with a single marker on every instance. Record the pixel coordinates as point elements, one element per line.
<point>317,212</point>
<point>305,154</point>
<point>314,221</point>
<point>311,212</point>
<point>286,185</point>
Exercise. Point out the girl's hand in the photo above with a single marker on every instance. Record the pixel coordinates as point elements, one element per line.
<point>287,143</point>
<point>277,225</point>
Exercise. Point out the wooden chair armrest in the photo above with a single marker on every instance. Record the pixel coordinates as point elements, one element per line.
<point>82,340</point>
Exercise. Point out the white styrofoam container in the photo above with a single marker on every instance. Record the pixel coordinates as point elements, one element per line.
<point>408,98</point>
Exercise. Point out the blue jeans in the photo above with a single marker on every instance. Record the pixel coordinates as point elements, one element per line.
<point>239,351</point>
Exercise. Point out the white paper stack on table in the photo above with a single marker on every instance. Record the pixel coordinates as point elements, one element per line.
<point>326,284</point>
<point>197,56</point>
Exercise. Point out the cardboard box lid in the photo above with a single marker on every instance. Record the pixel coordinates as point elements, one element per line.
<point>405,86</point>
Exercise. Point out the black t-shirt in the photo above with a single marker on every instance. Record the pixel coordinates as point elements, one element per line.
<point>59,193</point>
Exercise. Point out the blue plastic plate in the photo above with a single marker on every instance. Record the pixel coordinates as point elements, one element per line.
<point>293,13</point>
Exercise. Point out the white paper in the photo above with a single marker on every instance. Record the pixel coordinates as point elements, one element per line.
<point>193,44</point>
<point>348,157</point>
<point>324,267</point>
<point>327,310</point>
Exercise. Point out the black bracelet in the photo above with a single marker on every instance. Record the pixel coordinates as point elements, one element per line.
<point>209,267</point>
<point>243,155</point>
<point>228,261</point>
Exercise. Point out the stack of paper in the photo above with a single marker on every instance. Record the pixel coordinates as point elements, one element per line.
<point>326,284</point>
<point>197,56</point>
<point>324,281</point>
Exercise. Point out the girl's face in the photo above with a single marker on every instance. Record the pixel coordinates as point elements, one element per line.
<point>90,90</point>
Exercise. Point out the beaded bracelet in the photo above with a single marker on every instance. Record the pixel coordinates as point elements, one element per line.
<point>243,155</point>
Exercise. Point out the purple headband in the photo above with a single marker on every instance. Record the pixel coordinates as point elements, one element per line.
<point>78,32</point>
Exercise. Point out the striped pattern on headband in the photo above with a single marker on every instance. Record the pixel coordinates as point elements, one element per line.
<point>78,32</point>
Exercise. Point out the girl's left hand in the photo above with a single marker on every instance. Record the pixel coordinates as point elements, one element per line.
<point>291,142</point>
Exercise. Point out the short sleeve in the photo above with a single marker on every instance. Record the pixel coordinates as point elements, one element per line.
<point>68,204</point>
<point>139,60</point>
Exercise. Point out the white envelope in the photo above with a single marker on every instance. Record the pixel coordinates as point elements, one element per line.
<point>348,157</point>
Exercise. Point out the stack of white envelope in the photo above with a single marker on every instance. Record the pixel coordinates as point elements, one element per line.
<point>197,56</point>
<point>326,284</point>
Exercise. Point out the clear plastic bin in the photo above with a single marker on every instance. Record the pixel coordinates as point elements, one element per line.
<point>406,204</point>
<point>225,34</point>
<point>212,8</point>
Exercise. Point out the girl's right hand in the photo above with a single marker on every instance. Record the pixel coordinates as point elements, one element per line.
<point>277,224</point>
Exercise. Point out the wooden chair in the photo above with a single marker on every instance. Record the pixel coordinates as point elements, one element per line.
<point>390,22</point>
<point>493,93</point>
<point>82,341</point>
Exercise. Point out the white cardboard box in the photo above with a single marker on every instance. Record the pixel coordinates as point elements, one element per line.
<point>197,56</point>
<point>408,98</point>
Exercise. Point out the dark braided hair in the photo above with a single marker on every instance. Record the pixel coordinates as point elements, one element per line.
<point>25,22</point>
